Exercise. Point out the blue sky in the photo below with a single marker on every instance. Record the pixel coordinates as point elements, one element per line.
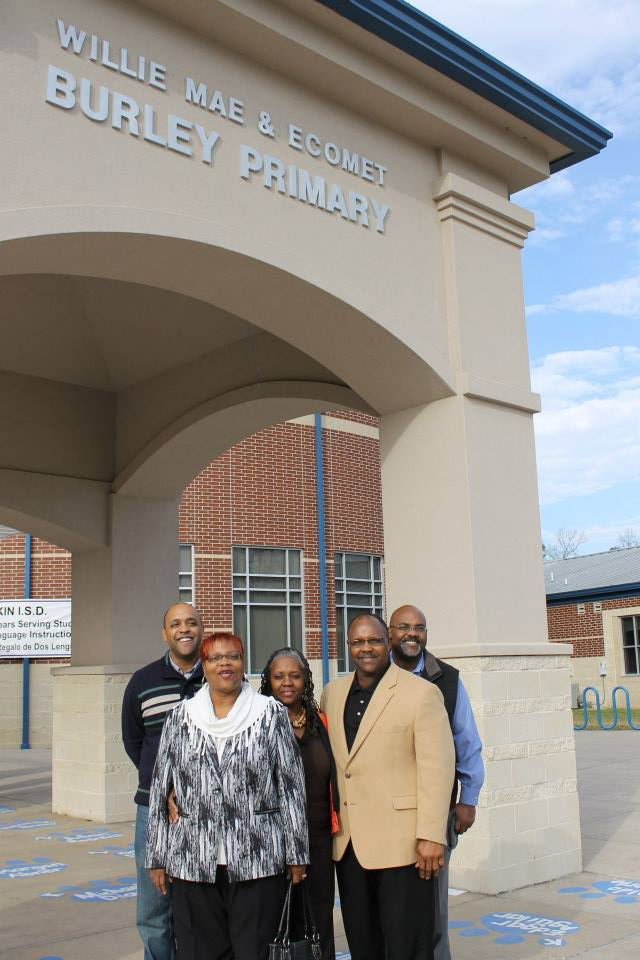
<point>582,264</point>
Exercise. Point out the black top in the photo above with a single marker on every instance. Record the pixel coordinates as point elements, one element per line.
<point>445,677</point>
<point>152,692</point>
<point>317,776</point>
<point>358,700</point>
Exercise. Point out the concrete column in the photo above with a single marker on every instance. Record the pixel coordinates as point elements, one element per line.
<point>119,594</point>
<point>462,542</point>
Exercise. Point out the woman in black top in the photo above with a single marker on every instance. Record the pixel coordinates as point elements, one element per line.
<point>287,677</point>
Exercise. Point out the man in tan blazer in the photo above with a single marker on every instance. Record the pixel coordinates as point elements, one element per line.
<point>394,754</point>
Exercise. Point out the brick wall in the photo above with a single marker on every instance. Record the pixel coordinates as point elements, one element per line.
<point>583,630</point>
<point>261,492</point>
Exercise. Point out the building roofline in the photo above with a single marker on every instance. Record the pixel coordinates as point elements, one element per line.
<point>418,35</point>
<point>594,593</point>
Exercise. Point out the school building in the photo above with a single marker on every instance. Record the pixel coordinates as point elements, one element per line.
<point>218,218</point>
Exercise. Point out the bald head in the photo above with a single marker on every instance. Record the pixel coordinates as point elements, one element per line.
<point>408,635</point>
<point>182,631</point>
<point>180,609</point>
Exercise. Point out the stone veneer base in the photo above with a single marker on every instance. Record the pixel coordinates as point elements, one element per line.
<point>527,828</point>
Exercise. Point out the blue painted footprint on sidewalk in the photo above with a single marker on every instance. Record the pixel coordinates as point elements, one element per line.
<point>116,851</point>
<point>38,866</point>
<point>517,928</point>
<point>98,891</point>
<point>80,835</point>
<point>622,891</point>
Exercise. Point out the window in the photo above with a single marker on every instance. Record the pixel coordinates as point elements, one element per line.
<point>267,601</point>
<point>185,574</point>
<point>358,590</point>
<point>630,644</point>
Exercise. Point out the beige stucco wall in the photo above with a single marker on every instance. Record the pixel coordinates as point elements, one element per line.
<point>106,179</point>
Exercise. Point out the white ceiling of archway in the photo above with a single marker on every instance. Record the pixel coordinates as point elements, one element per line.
<point>104,333</point>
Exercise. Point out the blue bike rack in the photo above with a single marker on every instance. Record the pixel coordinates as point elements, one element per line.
<point>614,722</point>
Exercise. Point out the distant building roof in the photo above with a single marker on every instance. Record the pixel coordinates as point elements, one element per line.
<point>609,574</point>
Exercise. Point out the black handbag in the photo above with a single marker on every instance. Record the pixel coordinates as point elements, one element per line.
<point>281,947</point>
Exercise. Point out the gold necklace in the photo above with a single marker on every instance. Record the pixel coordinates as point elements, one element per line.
<point>300,720</point>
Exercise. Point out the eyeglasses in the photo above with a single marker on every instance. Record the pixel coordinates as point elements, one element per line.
<point>409,627</point>
<point>361,641</point>
<point>219,657</point>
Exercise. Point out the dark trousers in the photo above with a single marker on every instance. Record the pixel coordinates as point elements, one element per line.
<point>388,914</point>
<point>321,886</point>
<point>441,948</point>
<point>226,921</point>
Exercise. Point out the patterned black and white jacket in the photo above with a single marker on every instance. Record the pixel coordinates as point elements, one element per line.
<point>254,794</point>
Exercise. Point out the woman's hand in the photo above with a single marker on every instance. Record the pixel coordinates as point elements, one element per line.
<point>159,879</point>
<point>173,811</point>
<point>297,872</point>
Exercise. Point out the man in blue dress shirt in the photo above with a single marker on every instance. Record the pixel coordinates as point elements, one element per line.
<point>408,637</point>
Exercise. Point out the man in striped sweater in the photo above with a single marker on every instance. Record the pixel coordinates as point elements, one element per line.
<point>151,693</point>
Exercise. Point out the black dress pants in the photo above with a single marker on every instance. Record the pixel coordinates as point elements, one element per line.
<point>321,886</point>
<point>388,914</point>
<point>226,921</point>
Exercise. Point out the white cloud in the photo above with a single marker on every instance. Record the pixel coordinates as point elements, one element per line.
<point>561,211</point>
<point>542,235</point>
<point>588,434</point>
<point>611,531</point>
<point>615,229</point>
<point>584,51</point>
<point>620,298</point>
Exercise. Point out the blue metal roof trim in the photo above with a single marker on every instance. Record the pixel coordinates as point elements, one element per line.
<point>435,45</point>
<point>594,593</point>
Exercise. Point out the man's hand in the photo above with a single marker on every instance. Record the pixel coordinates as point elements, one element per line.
<point>430,857</point>
<point>172,807</point>
<point>297,872</point>
<point>465,815</point>
<point>159,880</point>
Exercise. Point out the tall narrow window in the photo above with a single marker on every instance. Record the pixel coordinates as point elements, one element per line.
<point>358,590</point>
<point>630,644</point>
<point>186,592</point>
<point>267,601</point>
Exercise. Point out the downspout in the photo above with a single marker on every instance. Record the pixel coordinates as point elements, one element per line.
<point>25,745</point>
<point>322,550</point>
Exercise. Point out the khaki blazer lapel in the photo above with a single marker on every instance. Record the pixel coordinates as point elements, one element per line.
<point>382,694</point>
<point>336,721</point>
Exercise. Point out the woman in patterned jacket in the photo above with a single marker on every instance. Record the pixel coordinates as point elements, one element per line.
<point>231,757</point>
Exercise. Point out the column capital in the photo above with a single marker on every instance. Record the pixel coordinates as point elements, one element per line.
<point>504,394</point>
<point>457,198</point>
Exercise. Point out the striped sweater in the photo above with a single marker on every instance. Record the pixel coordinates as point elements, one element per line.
<point>151,693</point>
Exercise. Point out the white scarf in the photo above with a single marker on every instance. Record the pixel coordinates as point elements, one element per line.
<point>249,706</point>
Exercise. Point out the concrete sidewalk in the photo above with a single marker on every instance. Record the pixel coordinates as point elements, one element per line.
<point>68,887</point>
